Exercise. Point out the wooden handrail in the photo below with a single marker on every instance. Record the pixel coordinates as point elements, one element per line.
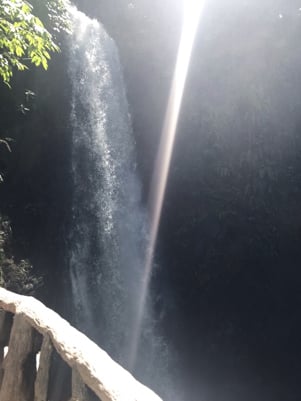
<point>93,366</point>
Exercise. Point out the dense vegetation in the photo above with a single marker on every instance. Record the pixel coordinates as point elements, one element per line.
<point>29,34</point>
<point>24,38</point>
<point>14,276</point>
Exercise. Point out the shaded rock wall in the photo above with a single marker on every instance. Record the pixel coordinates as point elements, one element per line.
<point>36,188</point>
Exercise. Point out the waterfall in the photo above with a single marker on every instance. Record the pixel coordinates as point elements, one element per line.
<point>108,228</point>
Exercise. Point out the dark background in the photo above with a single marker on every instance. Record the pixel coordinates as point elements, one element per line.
<point>227,281</point>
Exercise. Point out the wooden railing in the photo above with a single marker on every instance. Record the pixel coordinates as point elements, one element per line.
<point>30,334</point>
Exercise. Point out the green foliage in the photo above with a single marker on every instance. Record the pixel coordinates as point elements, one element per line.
<point>14,276</point>
<point>23,37</point>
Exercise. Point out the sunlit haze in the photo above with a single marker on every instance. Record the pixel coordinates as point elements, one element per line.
<point>192,11</point>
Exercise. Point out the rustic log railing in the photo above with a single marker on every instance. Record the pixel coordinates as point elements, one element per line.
<point>32,332</point>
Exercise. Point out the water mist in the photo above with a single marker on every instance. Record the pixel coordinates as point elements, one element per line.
<point>108,229</point>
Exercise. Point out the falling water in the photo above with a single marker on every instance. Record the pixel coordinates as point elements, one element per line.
<point>108,230</point>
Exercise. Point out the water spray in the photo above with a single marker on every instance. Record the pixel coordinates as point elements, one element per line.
<point>192,12</point>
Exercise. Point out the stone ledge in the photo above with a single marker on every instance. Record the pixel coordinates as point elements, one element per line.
<point>106,378</point>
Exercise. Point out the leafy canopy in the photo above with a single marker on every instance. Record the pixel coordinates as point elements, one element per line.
<point>24,39</point>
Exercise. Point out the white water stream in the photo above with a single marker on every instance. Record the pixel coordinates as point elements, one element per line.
<point>108,230</point>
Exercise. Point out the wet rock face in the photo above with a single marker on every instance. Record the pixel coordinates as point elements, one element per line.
<point>229,243</point>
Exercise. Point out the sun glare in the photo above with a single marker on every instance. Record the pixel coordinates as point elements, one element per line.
<point>192,10</point>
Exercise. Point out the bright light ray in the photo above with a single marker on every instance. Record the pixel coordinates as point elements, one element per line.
<point>192,13</point>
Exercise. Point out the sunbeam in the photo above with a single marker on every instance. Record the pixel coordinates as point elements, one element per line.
<point>192,12</point>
